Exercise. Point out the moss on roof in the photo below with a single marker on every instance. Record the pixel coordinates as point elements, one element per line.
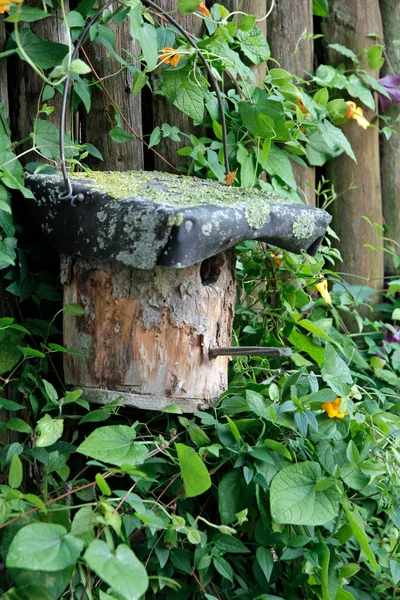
<point>173,190</point>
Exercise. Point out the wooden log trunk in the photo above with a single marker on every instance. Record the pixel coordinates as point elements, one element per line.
<point>97,124</point>
<point>259,9</point>
<point>164,111</point>
<point>390,149</point>
<point>349,23</point>
<point>25,93</point>
<point>285,27</point>
<point>147,334</point>
<point>3,69</point>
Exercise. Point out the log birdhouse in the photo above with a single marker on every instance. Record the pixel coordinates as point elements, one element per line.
<point>150,258</point>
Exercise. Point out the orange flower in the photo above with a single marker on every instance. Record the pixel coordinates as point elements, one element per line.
<point>168,56</point>
<point>277,257</point>
<point>203,9</point>
<point>301,106</point>
<point>5,5</point>
<point>230,177</point>
<point>357,113</point>
<point>332,409</point>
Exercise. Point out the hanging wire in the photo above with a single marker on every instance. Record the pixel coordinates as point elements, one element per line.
<point>68,194</point>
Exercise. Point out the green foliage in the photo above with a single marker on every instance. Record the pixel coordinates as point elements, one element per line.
<point>273,494</point>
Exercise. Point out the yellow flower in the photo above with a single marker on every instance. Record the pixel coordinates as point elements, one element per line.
<point>301,106</point>
<point>203,9</point>
<point>332,409</point>
<point>357,113</point>
<point>168,56</point>
<point>322,287</point>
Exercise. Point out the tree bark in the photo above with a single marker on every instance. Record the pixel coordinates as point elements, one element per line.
<point>349,23</point>
<point>26,91</point>
<point>164,111</point>
<point>390,149</point>
<point>147,334</point>
<point>3,70</point>
<point>127,156</point>
<point>285,27</point>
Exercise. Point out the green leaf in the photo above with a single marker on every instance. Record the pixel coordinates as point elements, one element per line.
<point>120,136</point>
<point>278,164</point>
<point>16,472</point>
<point>375,59</point>
<point>76,310</point>
<point>357,89</point>
<point>194,473</point>
<point>188,6</point>
<point>357,526</point>
<point>335,372</point>
<point>29,14</point>
<point>185,93</point>
<point>229,496</point>
<point>79,67</point>
<point>47,140</point>
<point>331,453</point>
<point>44,53</point>
<point>50,391</point>
<point>246,22</point>
<point>229,544</point>
<point>114,445</point>
<point>50,431</point>
<point>43,547</point>
<point>320,8</point>
<point>266,561</point>
<point>139,81</point>
<point>254,45</point>
<point>223,567</point>
<point>294,499</point>
<point>146,35</point>
<point>18,425</point>
<point>121,569</point>
<point>345,51</point>
<point>264,117</point>
<point>103,485</point>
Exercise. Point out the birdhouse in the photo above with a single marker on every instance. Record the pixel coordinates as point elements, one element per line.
<point>150,257</point>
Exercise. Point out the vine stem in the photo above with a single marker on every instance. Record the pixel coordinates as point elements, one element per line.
<point>209,72</point>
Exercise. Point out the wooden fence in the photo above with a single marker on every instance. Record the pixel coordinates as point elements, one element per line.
<point>377,173</point>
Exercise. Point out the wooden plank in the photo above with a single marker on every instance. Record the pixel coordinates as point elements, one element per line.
<point>97,124</point>
<point>390,149</point>
<point>3,70</point>
<point>259,9</point>
<point>163,110</point>
<point>349,23</point>
<point>25,93</point>
<point>147,334</point>
<point>285,27</point>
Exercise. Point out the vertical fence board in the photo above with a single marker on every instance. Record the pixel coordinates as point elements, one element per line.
<point>259,9</point>
<point>390,149</point>
<point>27,87</point>
<point>285,27</point>
<point>163,110</point>
<point>100,120</point>
<point>3,69</point>
<point>349,23</point>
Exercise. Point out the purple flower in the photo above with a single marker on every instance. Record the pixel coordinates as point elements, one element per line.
<point>391,83</point>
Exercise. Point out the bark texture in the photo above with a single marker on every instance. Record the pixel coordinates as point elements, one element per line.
<point>25,93</point>
<point>349,23</point>
<point>3,70</point>
<point>97,124</point>
<point>285,27</point>
<point>163,110</point>
<point>390,149</point>
<point>147,333</point>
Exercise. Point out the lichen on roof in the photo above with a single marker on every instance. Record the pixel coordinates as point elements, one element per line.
<point>303,226</point>
<point>175,190</point>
